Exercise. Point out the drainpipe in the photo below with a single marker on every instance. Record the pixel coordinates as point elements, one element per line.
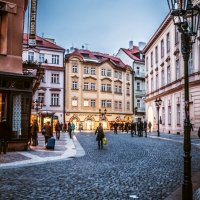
<point>64,87</point>
<point>133,90</point>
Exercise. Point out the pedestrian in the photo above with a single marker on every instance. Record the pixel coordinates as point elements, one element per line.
<point>145,127</point>
<point>30,134</point>
<point>48,133</point>
<point>122,127</point>
<point>126,126</point>
<point>69,129</point>
<point>34,133</point>
<point>80,127</point>
<point>73,126</point>
<point>5,134</point>
<point>199,132</point>
<point>149,125</point>
<point>64,126</point>
<point>61,124</point>
<point>100,136</point>
<point>58,128</point>
<point>132,129</point>
<point>140,128</point>
<point>115,128</point>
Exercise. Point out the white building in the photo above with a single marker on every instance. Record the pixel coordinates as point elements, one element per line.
<point>133,56</point>
<point>165,80</point>
<point>51,89</point>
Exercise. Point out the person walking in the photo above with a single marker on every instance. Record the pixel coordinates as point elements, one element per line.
<point>70,130</point>
<point>115,128</point>
<point>140,128</point>
<point>149,125</point>
<point>5,133</point>
<point>64,127</point>
<point>48,133</point>
<point>145,127</point>
<point>122,127</point>
<point>34,133</point>
<point>132,129</point>
<point>100,136</point>
<point>58,128</point>
<point>73,127</point>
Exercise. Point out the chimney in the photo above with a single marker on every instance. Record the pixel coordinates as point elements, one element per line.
<point>130,44</point>
<point>141,46</point>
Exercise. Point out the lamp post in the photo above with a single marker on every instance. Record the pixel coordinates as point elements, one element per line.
<point>158,103</point>
<point>37,105</point>
<point>136,109</point>
<point>186,18</point>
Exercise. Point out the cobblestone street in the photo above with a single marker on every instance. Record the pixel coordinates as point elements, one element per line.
<point>148,168</point>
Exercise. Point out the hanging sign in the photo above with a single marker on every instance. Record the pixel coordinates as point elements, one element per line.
<point>32,34</point>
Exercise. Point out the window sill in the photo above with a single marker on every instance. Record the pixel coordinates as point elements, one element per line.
<point>74,89</point>
<point>54,83</point>
<point>54,105</point>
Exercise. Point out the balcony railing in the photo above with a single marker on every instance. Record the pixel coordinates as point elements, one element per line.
<point>141,109</point>
<point>139,74</point>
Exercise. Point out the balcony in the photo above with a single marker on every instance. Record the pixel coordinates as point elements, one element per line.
<point>139,75</point>
<point>141,109</point>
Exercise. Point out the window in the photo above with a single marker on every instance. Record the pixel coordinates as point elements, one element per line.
<point>93,104</point>
<point>147,87</point>
<point>138,103</point>
<point>168,42</point>
<point>74,69</point>
<point>103,103</point>
<point>109,104</point>
<point>138,71</point>
<point>176,35</point>
<point>190,63</point>
<point>156,81</point>
<point>103,87</point>
<point>74,85</point>
<point>163,115</point>
<point>41,97</point>
<point>120,89</point>
<point>128,105</point>
<point>41,57</point>
<point>163,78</point>
<point>108,87</point>
<point>74,102</point>
<point>152,59</point>
<point>151,84</point>
<point>138,85</point>
<point>108,72</point>
<point>178,114</point>
<point>120,75</point>
<point>168,75</point>
<point>116,104</point>
<point>177,70</point>
<point>55,78</point>
<point>116,74</point>
<point>86,70</point>
<point>86,103</point>
<point>93,71</point>
<point>127,77</point>
<point>162,48</point>
<point>147,63</point>
<point>120,105</point>
<point>115,90</point>
<point>103,72</point>
<point>92,86</point>
<point>169,115</point>
<point>156,52</point>
<point>54,99</point>
<point>127,91</point>
<point>30,56</point>
<point>85,86</point>
<point>55,59</point>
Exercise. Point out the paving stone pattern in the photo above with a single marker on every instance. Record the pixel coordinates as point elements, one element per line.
<point>148,168</point>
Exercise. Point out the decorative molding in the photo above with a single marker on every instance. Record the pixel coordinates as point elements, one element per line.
<point>156,69</point>
<point>75,76</point>
<point>89,77</point>
<point>162,64</point>
<point>176,51</point>
<point>107,79</point>
<point>151,72</point>
<point>167,59</point>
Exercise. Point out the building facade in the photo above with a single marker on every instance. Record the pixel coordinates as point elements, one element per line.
<point>96,83</point>
<point>133,56</point>
<point>51,89</point>
<point>165,80</point>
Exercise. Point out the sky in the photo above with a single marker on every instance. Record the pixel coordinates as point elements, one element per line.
<point>104,25</point>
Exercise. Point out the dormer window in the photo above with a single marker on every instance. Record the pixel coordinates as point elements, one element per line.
<point>99,57</point>
<point>85,55</point>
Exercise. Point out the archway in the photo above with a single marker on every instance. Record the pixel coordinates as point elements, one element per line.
<point>150,117</point>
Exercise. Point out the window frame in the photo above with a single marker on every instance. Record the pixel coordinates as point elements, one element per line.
<point>54,99</point>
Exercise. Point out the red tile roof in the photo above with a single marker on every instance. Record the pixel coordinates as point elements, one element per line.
<point>41,42</point>
<point>97,57</point>
<point>133,53</point>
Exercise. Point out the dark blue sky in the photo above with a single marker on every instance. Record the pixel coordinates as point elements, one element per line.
<point>106,25</point>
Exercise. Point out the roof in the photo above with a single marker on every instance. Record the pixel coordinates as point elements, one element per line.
<point>133,53</point>
<point>96,57</point>
<point>41,42</point>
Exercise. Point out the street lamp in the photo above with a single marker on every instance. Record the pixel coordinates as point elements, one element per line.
<point>158,103</point>
<point>37,105</point>
<point>186,18</point>
<point>102,113</point>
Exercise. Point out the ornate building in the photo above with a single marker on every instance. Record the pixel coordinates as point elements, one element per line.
<point>98,88</point>
<point>165,80</point>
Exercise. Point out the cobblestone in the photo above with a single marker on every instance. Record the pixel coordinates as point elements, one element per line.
<point>146,167</point>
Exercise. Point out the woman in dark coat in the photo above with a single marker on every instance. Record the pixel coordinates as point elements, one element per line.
<point>48,134</point>
<point>100,135</point>
<point>34,132</point>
